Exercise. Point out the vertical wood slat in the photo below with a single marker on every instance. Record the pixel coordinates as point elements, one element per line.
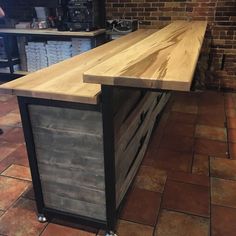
<point>67,142</point>
<point>127,156</point>
<point>124,184</point>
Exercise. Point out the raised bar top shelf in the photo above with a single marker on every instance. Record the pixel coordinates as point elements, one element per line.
<point>164,60</point>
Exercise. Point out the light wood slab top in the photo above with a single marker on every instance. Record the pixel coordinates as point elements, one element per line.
<point>64,81</point>
<point>164,60</point>
<point>52,32</point>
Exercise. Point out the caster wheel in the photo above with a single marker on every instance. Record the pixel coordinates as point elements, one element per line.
<point>110,233</point>
<point>42,218</point>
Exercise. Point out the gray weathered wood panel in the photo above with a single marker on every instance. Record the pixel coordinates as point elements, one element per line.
<point>83,208</point>
<point>124,179</point>
<point>69,151</point>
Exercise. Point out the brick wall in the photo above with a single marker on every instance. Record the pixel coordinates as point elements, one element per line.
<point>221,15</point>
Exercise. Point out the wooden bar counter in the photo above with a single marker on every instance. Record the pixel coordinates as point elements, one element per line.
<point>86,139</point>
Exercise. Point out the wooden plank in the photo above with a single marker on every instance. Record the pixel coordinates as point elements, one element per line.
<point>70,191</point>
<point>126,157</point>
<point>83,177</point>
<point>95,211</point>
<point>70,159</point>
<point>83,121</point>
<point>64,81</point>
<point>52,32</point>
<point>127,103</point>
<point>123,186</point>
<point>165,60</point>
<point>127,129</point>
<point>78,158</point>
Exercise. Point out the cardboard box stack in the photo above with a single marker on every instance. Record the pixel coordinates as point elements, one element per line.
<point>36,56</point>
<point>80,45</point>
<point>58,51</point>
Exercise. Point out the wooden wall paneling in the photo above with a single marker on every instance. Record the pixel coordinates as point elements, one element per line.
<point>69,150</point>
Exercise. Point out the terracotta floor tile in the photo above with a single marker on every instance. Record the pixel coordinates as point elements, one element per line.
<point>189,178</point>
<point>223,221</point>
<point>184,118</point>
<point>10,119</point>
<point>141,206</point>
<point>21,220</point>
<point>232,150</point>
<point>232,135</point>
<point>180,129</point>
<point>185,97</point>
<point>231,112</point>
<point>229,104</point>
<point>19,172</point>
<point>59,230</point>
<point>223,168</point>
<point>200,165</point>
<point>14,135</point>
<point>179,107</point>
<point>8,106</point>
<point>150,178</point>
<point>125,228</point>
<point>210,132</point>
<point>223,192</point>
<point>211,108</point>
<point>179,224</point>
<point>211,120</point>
<point>4,98</point>
<point>169,160</point>
<point>10,191</point>
<point>231,123</point>
<point>29,193</point>
<point>188,198</point>
<point>177,143</point>
<point>211,148</point>
<point>6,149</point>
<point>19,157</point>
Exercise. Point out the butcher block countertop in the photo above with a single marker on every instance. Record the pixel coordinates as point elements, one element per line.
<point>164,59</point>
<point>64,81</point>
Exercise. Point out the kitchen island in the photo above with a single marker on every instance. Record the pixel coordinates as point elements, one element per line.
<point>87,121</point>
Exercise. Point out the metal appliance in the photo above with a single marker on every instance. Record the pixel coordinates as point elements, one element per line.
<point>83,15</point>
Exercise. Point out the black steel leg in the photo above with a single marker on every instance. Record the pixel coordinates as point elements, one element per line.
<point>109,156</point>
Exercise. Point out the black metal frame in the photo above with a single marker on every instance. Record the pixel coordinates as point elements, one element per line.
<point>106,108</point>
<point>109,167</point>
<point>109,156</point>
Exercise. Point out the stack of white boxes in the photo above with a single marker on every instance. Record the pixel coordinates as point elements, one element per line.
<point>36,56</point>
<point>80,45</point>
<point>58,51</point>
<point>43,54</point>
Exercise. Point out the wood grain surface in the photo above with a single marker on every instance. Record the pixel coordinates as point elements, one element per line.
<point>165,60</point>
<point>64,81</point>
<point>51,32</point>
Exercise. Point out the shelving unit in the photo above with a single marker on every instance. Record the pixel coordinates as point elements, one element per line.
<point>10,37</point>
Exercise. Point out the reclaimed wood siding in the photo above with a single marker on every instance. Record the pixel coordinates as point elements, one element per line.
<point>69,150</point>
<point>133,137</point>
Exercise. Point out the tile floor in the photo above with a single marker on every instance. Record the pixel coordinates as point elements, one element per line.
<point>185,186</point>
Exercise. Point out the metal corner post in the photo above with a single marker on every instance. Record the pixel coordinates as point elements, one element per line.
<point>109,155</point>
<point>23,105</point>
